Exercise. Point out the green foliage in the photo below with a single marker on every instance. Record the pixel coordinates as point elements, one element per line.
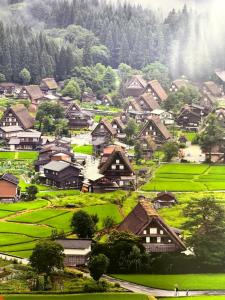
<point>2,77</point>
<point>138,151</point>
<point>25,76</point>
<point>31,192</point>
<point>206,225</point>
<point>98,266</point>
<point>211,136</point>
<point>46,257</point>
<point>185,95</point>
<point>125,72</point>
<point>131,130</point>
<point>83,225</point>
<point>157,71</point>
<point>72,90</point>
<point>98,78</point>
<point>108,222</point>
<point>50,118</point>
<point>125,253</point>
<point>170,150</point>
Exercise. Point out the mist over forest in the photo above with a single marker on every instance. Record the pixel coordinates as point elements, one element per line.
<point>188,39</point>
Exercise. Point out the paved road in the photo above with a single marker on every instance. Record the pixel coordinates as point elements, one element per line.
<point>157,292</point>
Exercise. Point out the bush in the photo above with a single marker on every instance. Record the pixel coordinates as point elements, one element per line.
<point>94,287</point>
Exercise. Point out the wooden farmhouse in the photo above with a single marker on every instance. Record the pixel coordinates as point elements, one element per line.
<point>119,126</point>
<point>76,251</point>
<point>49,85</point>
<point>178,84</point>
<point>89,97</point>
<point>17,115</point>
<point>132,105</point>
<point>7,88</point>
<point>63,175</point>
<point>148,146</point>
<point>190,117</point>
<point>210,87</point>
<point>156,130</point>
<point>220,114</point>
<point>157,91</point>
<point>9,189</point>
<point>25,140</point>
<point>66,101</point>
<point>147,103</point>
<point>135,86</point>
<point>124,117</point>
<point>52,154</point>
<point>8,132</point>
<point>77,117</point>
<point>31,92</point>
<point>208,101</point>
<point>164,199</point>
<point>155,234</point>
<point>115,173</point>
<point>102,136</point>
<point>133,110</point>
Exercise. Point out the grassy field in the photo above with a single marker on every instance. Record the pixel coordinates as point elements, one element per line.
<point>86,149</point>
<point>19,155</point>
<point>118,296</point>
<point>187,178</point>
<point>184,282</point>
<point>198,298</point>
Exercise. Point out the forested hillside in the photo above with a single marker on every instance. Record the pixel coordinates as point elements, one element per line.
<point>106,34</point>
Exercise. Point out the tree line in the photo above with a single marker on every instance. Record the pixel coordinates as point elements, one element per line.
<point>107,34</point>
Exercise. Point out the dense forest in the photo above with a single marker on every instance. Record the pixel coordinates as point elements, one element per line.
<point>50,38</point>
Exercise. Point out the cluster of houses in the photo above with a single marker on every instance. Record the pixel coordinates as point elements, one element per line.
<point>59,167</point>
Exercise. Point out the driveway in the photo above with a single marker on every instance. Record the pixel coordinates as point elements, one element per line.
<point>136,288</point>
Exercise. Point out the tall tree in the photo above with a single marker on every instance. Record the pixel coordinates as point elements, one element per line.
<point>211,135</point>
<point>46,257</point>
<point>206,225</point>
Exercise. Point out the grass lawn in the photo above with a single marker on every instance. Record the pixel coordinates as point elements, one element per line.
<point>199,298</point>
<point>86,149</point>
<point>187,178</point>
<point>118,296</point>
<point>184,282</point>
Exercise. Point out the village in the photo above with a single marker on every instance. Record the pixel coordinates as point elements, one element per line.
<point>103,148</point>
<point>112,149</point>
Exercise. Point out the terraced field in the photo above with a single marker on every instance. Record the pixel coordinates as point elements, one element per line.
<point>23,224</point>
<point>187,178</point>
